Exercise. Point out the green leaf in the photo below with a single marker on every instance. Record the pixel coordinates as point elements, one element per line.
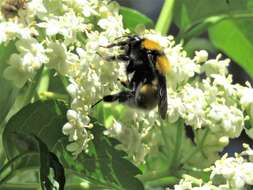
<point>31,144</point>
<point>195,17</point>
<point>49,160</point>
<point>126,178</point>
<point>112,161</point>
<point>235,38</point>
<point>44,119</point>
<point>199,43</point>
<point>133,18</point>
<point>57,83</point>
<point>188,12</point>
<point>104,160</point>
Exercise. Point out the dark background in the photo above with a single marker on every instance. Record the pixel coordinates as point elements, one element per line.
<point>150,8</point>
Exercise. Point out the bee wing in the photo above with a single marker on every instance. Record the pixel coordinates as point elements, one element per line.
<point>162,102</point>
<point>162,88</point>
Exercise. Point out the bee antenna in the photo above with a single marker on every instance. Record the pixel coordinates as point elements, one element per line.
<point>96,103</point>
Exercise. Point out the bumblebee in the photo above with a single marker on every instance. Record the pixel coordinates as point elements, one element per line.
<point>146,68</point>
<point>10,8</point>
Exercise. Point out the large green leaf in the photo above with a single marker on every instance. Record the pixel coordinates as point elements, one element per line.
<point>195,17</point>
<point>30,144</point>
<point>133,18</point>
<point>235,38</point>
<point>188,12</point>
<point>49,160</point>
<point>44,119</point>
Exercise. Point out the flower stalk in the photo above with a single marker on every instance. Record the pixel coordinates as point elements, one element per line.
<point>165,17</point>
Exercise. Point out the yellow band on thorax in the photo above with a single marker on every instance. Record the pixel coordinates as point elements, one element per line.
<point>151,45</point>
<point>163,64</point>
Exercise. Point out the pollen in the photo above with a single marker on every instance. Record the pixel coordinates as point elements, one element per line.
<point>163,65</point>
<point>145,88</point>
<point>148,89</point>
<point>151,45</point>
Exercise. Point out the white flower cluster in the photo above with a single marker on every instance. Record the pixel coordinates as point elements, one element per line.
<point>30,57</point>
<point>190,183</point>
<point>211,101</point>
<point>67,36</point>
<point>228,173</point>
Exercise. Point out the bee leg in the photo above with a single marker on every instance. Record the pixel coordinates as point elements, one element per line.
<point>121,57</point>
<point>108,98</point>
<point>121,97</point>
<point>97,103</point>
<point>130,67</point>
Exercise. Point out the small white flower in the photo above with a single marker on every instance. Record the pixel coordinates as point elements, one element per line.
<point>24,65</point>
<point>60,59</point>
<point>12,30</point>
<point>228,173</point>
<point>225,120</point>
<point>248,152</point>
<point>67,25</point>
<point>130,139</point>
<point>183,68</point>
<point>184,185</point>
<point>194,106</point>
<point>246,170</point>
<point>175,106</point>
<point>225,83</point>
<point>201,56</point>
<point>72,89</point>
<point>112,25</point>
<point>76,131</point>
<point>80,145</point>
<point>37,8</point>
<point>216,66</point>
<point>246,96</point>
<point>86,7</point>
<point>224,140</point>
